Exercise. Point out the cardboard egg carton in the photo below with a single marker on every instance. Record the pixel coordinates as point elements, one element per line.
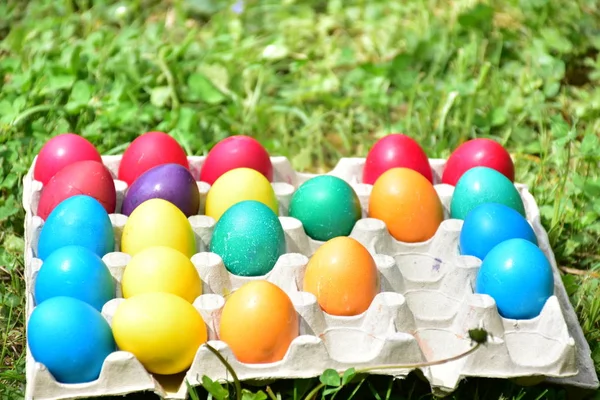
<point>423,313</point>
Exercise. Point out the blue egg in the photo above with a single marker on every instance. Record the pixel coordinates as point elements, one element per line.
<point>79,220</point>
<point>71,338</point>
<point>489,224</point>
<point>249,238</point>
<point>518,276</point>
<point>75,271</point>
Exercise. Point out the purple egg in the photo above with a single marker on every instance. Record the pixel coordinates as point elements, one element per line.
<point>171,182</point>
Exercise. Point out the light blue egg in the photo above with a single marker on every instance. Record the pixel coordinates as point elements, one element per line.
<point>71,338</point>
<point>75,271</point>
<point>488,225</point>
<point>518,276</point>
<point>79,220</point>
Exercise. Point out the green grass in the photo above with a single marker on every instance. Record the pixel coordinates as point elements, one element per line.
<point>314,81</point>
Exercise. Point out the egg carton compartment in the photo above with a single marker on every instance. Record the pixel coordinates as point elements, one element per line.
<point>426,285</point>
<point>423,313</point>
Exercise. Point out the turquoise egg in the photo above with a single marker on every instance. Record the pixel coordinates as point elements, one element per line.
<point>327,206</point>
<point>249,238</point>
<point>482,185</point>
<point>79,220</point>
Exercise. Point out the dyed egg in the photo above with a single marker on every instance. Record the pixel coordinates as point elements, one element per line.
<point>71,338</point>
<point>147,151</point>
<point>408,204</point>
<point>479,152</point>
<point>249,238</point>
<point>161,269</point>
<point>87,177</point>
<point>259,322</point>
<point>489,224</point>
<point>327,206</point>
<point>238,151</point>
<point>79,220</point>
<point>395,151</point>
<point>157,222</point>
<point>343,276</point>
<point>171,182</point>
<point>238,185</point>
<point>518,276</point>
<point>481,185</point>
<point>161,329</point>
<point>61,151</point>
<point>78,272</point>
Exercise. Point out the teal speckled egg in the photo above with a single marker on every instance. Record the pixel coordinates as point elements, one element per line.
<point>327,206</point>
<point>249,238</point>
<point>482,185</point>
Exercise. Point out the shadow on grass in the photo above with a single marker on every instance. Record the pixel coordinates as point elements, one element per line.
<point>411,388</point>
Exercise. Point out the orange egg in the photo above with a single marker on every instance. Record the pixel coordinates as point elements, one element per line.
<point>408,204</point>
<point>259,322</point>
<point>343,276</point>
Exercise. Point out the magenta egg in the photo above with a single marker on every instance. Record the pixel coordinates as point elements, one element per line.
<point>171,182</point>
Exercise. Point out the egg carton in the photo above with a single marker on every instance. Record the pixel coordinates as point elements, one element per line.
<point>424,310</point>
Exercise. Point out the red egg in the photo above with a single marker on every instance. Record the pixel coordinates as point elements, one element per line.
<point>479,152</point>
<point>61,151</point>
<point>87,177</point>
<point>147,151</point>
<point>395,151</point>
<point>236,152</point>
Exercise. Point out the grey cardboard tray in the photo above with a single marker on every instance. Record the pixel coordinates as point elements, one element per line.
<point>423,312</point>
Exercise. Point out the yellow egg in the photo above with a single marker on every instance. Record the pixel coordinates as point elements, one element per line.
<point>237,185</point>
<point>157,222</point>
<point>161,269</point>
<point>162,330</point>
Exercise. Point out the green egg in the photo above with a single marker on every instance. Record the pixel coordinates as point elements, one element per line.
<point>249,238</point>
<point>481,185</point>
<point>327,206</point>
